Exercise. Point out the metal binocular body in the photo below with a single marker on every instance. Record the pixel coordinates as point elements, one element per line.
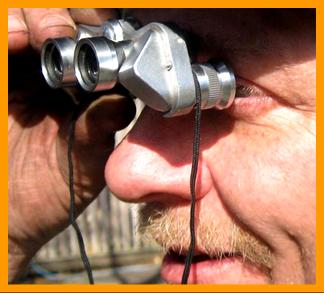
<point>151,62</point>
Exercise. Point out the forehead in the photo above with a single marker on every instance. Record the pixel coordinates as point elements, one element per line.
<point>267,46</point>
<point>243,32</point>
<point>277,18</point>
<point>243,24</point>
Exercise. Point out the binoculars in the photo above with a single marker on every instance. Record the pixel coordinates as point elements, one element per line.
<point>151,62</point>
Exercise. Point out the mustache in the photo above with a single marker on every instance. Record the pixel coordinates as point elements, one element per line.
<point>169,227</point>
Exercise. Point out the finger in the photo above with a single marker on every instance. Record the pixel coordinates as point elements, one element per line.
<point>46,23</point>
<point>94,141</point>
<point>17,30</point>
<point>108,114</point>
<point>92,16</point>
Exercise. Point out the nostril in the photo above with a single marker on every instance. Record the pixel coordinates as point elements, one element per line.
<point>135,173</point>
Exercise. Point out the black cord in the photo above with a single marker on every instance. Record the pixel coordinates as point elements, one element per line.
<point>73,222</point>
<point>193,177</point>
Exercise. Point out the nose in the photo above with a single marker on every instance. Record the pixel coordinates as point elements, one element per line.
<point>154,161</point>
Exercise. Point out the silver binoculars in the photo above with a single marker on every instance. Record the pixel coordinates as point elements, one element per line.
<point>151,62</point>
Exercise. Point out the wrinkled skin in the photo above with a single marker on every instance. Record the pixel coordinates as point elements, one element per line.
<point>257,162</point>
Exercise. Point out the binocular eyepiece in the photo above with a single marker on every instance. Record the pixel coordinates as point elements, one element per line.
<point>57,62</point>
<point>152,63</point>
<point>59,66</point>
<point>97,61</point>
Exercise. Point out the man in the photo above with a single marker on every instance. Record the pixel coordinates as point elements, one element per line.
<point>256,181</point>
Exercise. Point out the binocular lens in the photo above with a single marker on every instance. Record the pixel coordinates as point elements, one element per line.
<point>53,63</point>
<point>88,65</point>
<point>96,64</point>
<point>92,67</point>
<point>57,62</point>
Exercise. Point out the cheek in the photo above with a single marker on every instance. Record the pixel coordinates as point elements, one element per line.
<point>266,178</point>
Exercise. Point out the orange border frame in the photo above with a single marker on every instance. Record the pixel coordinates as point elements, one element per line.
<point>4,287</point>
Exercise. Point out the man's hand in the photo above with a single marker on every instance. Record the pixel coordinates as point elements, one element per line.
<point>38,124</point>
<point>31,27</point>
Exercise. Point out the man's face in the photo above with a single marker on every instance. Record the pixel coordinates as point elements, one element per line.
<point>256,181</point>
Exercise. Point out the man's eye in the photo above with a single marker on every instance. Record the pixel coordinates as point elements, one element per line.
<point>243,91</point>
<point>250,101</point>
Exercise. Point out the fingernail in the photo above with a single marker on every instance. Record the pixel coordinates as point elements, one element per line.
<point>56,20</point>
<point>15,24</point>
